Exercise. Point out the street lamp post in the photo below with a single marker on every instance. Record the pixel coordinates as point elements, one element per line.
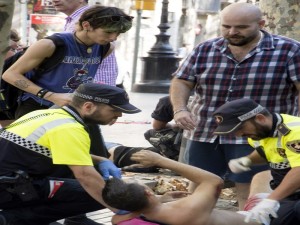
<point>161,61</point>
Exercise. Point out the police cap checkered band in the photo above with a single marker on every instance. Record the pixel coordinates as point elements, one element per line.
<point>230,116</point>
<point>102,93</point>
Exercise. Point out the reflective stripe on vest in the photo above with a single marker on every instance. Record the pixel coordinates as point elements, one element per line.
<point>30,142</point>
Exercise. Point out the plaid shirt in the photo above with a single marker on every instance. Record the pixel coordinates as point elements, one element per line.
<point>73,19</point>
<point>107,71</point>
<point>267,74</point>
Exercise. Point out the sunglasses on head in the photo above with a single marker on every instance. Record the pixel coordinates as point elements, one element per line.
<point>116,18</point>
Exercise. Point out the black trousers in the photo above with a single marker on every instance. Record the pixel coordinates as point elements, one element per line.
<point>69,200</point>
<point>289,211</point>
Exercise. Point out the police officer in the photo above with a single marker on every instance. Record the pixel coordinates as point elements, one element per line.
<point>276,141</point>
<point>43,151</point>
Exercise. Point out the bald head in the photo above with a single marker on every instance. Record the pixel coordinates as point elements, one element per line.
<point>242,11</point>
<point>241,24</point>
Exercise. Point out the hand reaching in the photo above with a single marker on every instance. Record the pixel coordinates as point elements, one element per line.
<point>185,120</point>
<point>146,158</point>
<point>240,165</point>
<point>108,168</point>
<point>262,211</point>
<point>60,99</point>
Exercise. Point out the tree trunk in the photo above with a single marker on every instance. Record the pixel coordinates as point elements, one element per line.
<point>6,14</point>
<point>282,17</point>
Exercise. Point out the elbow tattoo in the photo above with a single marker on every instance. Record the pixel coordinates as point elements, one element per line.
<point>22,84</point>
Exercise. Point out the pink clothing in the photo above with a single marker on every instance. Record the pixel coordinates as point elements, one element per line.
<point>136,221</point>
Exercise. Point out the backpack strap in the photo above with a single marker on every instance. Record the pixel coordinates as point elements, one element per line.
<point>56,58</point>
<point>59,54</point>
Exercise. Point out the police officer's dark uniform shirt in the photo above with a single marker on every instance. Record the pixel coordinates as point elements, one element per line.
<point>282,151</point>
<point>43,142</point>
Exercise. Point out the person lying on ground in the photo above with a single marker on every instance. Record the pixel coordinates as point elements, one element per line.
<point>194,209</point>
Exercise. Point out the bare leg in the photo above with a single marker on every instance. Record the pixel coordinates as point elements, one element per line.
<point>260,183</point>
<point>225,217</point>
<point>259,189</point>
<point>242,193</point>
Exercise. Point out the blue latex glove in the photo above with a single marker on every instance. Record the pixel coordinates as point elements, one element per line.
<point>108,168</point>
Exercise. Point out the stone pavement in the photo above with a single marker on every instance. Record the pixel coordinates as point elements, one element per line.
<point>129,129</point>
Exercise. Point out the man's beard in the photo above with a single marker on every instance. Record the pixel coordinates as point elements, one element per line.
<point>241,40</point>
<point>91,120</point>
<point>261,131</point>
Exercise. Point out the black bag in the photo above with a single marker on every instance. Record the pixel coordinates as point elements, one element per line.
<point>167,141</point>
<point>122,159</point>
<point>9,94</point>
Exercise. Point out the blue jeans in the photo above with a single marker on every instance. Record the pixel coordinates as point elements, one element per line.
<point>214,157</point>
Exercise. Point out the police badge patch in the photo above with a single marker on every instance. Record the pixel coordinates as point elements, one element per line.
<point>281,152</point>
<point>294,146</point>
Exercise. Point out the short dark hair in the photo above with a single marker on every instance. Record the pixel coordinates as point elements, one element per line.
<point>102,17</point>
<point>125,196</point>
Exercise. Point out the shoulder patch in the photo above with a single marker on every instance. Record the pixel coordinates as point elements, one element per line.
<point>281,152</point>
<point>283,129</point>
<point>294,146</point>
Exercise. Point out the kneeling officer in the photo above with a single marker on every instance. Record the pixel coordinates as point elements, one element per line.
<point>46,170</point>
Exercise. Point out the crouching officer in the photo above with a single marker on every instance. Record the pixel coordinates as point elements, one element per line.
<point>275,139</point>
<point>46,170</point>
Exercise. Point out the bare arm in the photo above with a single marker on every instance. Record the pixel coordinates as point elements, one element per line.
<point>179,94</point>
<point>197,175</point>
<point>193,209</point>
<point>30,60</point>
<point>256,158</point>
<point>33,57</point>
<point>158,125</point>
<point>91,181</point>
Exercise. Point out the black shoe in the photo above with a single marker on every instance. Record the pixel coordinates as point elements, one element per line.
<point>80,220</point>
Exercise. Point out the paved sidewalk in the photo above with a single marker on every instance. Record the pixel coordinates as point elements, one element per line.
<point>130,128</point>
